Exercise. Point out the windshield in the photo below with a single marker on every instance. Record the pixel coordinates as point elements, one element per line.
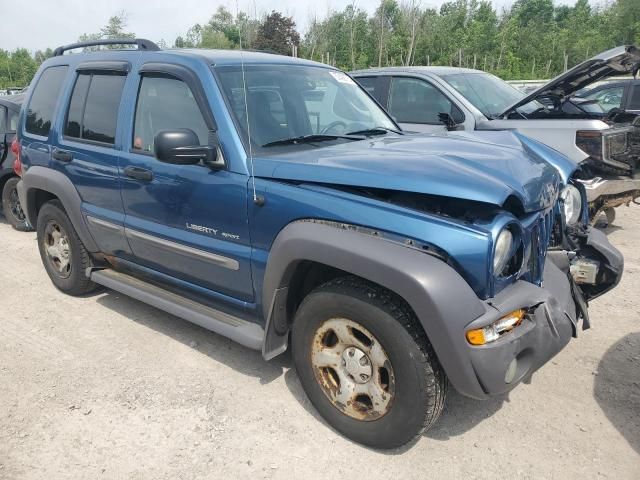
<point>486,92</point>
<point>292,101</point>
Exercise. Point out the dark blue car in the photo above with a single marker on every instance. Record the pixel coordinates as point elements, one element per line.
<point>9,201</point>
<point>271,200</point>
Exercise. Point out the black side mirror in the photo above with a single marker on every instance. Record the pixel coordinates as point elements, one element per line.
<point>448,121</point>
<point>182,147</point>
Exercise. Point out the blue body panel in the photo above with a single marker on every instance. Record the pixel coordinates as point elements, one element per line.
<point>449,165</point>
<point>295,185</point>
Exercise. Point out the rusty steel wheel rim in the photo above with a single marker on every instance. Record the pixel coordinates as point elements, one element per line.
<point>57,249</point>
<point>353,369</point>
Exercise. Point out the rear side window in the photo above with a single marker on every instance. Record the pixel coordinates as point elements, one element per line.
<point>43,101</point>
<point>166,103</point>
<point>3,122</point>
<point>93,110</point>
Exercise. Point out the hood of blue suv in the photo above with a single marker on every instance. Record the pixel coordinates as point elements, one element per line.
<point>458,165</point>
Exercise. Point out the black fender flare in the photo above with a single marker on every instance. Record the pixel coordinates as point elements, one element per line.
<point>58,184</point>
<point>441,299</point>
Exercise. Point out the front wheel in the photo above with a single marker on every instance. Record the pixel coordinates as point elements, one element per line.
<point>11,206</point>
<point>366,364</point>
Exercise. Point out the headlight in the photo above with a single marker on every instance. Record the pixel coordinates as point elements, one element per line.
<point>503,251</point>
<point>572,204</point>
<point>590,142</point>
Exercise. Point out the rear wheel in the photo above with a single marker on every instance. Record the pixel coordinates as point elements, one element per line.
<point>11,206</point>
<point>63,254</point>
<point>366,364</point>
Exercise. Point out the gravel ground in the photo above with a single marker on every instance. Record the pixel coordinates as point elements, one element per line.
<point>107,387</point>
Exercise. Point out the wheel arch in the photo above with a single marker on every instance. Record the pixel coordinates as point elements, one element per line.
<point>40,185</point>
<point>309,252</point>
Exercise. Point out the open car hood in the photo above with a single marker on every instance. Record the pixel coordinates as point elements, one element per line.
<point>617,61</point>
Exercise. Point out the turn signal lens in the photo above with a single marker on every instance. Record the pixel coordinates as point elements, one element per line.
<point>476,337</point>
<point>490,333</point>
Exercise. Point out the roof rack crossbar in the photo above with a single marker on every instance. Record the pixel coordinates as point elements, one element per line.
<point>142,43</point>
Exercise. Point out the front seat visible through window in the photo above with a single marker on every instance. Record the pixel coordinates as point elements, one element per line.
<point>265,127</point>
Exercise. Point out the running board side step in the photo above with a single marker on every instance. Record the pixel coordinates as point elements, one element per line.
<point>241,331</point>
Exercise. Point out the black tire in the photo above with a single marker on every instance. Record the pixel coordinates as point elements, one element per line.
<point>420,384</point>
<point>11,206</point>
<point>73,281</point>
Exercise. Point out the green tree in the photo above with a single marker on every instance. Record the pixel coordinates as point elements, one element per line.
<point>115,28</point>
<point>277,34</point>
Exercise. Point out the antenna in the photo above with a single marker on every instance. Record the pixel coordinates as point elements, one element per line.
<point>246,108</point>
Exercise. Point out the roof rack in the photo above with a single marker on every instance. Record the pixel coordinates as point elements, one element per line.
<point>142,43</point>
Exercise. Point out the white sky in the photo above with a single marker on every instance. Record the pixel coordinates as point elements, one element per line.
<point>37,24</point>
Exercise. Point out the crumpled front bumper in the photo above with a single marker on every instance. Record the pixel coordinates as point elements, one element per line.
<point>555,310</point>
<point>624,189</point>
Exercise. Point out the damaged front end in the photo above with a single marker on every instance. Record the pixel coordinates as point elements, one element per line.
<point>593,265</point>
<point>610,142</point>
<point>611,173</point>
<point>534,318</point>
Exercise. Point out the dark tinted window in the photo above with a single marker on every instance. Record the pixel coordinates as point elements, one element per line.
<point>634,104</point>
<point>3,119</point>
<point>43,100</point>
<point>415,101</point>
<point>373,85</point>
<point>166,103</point>
<point>93,110</point>
<point>74,115</point>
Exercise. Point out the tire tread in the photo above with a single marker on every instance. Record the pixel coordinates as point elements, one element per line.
<point>427,363</point>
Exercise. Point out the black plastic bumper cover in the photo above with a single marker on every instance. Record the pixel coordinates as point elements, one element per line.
<point>554,310</point>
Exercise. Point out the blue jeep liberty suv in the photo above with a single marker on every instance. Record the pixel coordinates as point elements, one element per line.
<point>272,200</point>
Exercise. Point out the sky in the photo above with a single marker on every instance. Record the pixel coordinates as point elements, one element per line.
<point>38,24</point>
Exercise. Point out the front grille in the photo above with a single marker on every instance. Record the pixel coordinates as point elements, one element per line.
<point>538,233</point>
<point>617,144</point>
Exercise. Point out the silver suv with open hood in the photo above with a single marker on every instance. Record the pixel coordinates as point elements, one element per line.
<point>606,145</point>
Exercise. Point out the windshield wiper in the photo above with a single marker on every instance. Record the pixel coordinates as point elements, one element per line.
<point>376,131</point>
<point>311,138</point>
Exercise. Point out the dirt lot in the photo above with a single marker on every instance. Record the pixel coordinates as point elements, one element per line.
<point>107,387</point>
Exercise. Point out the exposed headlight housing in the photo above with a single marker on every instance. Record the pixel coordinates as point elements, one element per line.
<point>572,204</point>
<point>503,251</point>
<point>590,142</point>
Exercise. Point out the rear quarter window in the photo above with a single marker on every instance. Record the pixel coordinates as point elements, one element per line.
<point>13,120</point>
<point>44,99</point>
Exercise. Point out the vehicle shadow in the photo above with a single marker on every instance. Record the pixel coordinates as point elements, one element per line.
<point>609,229</point>
<point>218,348</point>
<point>617,387</point>
<point>460,415</point>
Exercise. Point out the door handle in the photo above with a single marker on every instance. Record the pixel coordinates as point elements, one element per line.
<point>62,155</point>
<point>138,173</point>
